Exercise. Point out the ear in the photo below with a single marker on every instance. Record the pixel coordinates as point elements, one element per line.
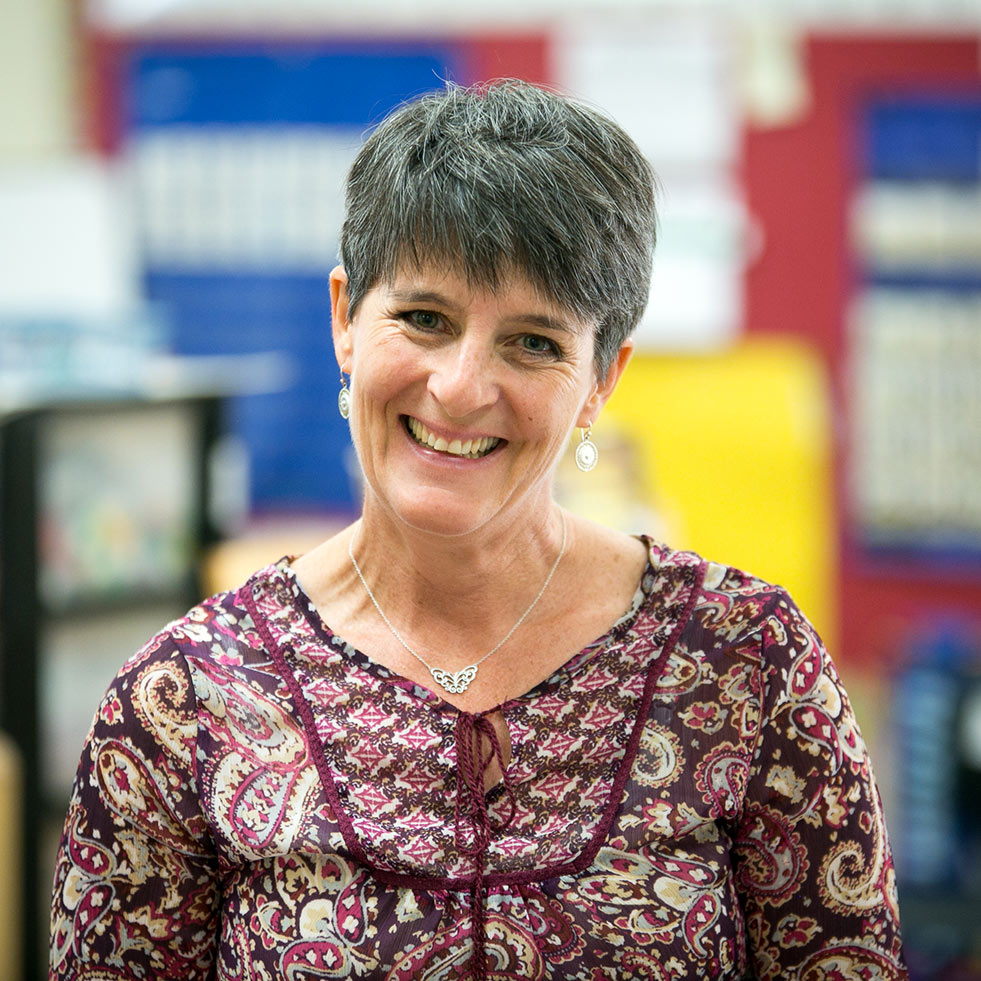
<point>603,387</point>
<point>340,325</point>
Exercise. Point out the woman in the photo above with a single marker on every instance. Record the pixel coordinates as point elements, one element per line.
<point>473,736</point>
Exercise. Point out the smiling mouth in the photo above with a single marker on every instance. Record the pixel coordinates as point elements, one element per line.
<point>470,449</point>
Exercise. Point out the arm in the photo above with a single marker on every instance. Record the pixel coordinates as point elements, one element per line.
<point>135,889</point>
<point>811,854</point>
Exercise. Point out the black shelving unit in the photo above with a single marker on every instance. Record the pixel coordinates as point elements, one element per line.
<point>47,586</point>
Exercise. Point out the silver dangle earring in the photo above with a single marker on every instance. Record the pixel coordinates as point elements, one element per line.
<point>344,399</point>
<point>586,452</point>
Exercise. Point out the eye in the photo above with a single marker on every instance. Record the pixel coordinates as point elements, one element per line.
<point>536,344</point>
<point>423,319</point>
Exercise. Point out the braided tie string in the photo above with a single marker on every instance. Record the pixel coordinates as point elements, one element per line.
<point>473,732</point>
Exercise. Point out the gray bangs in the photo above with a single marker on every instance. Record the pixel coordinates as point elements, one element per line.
<point>502,180</point>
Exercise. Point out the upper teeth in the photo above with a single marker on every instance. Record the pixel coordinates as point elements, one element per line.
<point>471,448</point>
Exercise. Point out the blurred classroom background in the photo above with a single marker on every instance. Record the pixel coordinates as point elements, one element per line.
<point>806,402</point>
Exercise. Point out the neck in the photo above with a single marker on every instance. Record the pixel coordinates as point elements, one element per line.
<point>476,584</point>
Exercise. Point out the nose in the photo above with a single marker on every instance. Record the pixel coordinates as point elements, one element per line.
<point>464,379</point>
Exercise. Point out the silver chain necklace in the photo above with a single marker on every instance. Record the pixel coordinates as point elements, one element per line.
<point>457,682</point>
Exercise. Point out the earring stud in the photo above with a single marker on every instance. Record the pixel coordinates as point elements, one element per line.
<point>587,454</point>
<point>344,399</point>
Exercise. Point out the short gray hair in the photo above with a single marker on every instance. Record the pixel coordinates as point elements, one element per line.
<point>504,178</point>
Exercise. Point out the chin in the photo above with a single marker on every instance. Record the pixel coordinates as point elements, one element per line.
<point>446,522</point>
<point>439,513</point>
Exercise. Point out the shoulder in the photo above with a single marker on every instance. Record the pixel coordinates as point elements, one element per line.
<point>734,617</point>
<point>751,639</point>
<point>715,578</point>
<point>726,595</point>
<point>220,629</point>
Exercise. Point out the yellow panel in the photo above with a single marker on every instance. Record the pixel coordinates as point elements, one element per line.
<point>735,454</point>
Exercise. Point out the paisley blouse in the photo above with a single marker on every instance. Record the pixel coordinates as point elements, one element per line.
<point>687,797</point>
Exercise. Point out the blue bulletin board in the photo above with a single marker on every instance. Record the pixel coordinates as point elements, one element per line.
<point>916,329</point>
<point>293,83</point>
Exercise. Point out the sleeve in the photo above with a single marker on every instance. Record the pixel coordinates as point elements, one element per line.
<point>136,888</point>
<point>811,854</point>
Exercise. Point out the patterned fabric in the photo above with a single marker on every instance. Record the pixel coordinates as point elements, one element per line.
<point>687,797</point>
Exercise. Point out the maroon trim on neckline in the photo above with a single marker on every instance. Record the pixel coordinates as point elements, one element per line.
<point>316,749</point>
<point>444,883</point>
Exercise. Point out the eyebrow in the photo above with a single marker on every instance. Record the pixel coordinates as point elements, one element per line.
<point>421,296</point>
<point>540,320</point>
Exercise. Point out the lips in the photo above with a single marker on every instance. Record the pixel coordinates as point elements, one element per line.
<point>470,449</point>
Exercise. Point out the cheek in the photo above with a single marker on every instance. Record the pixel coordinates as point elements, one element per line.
<point>557,408</point>
<point>384,370</point>
<point>376,343</point>
<point>548,431</point>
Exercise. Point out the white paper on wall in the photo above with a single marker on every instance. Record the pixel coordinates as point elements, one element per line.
<point>669,80</point>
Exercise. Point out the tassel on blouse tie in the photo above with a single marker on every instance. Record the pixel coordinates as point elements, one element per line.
<point>471,807</point>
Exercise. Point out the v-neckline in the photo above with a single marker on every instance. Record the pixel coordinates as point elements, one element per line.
<point>298,640</point>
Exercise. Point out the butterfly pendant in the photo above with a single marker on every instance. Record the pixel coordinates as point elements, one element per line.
<point>456,683</point>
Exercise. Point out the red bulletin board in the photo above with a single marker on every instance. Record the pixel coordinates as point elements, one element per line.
<point>799,178</point>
